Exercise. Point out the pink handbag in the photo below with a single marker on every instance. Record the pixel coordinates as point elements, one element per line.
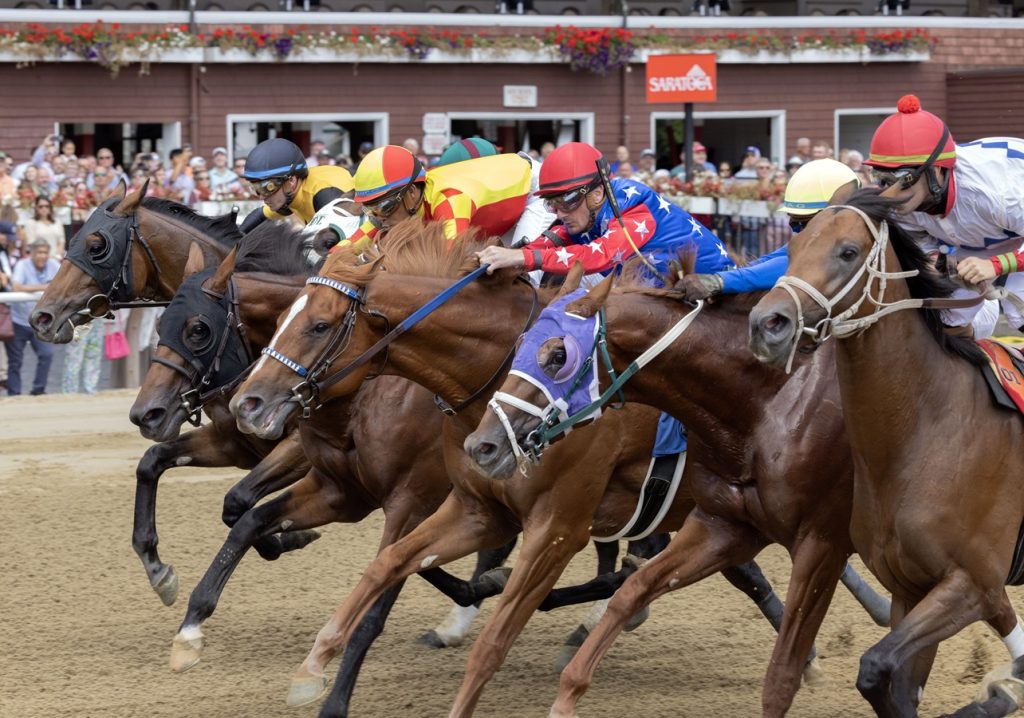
<point>115,344</point>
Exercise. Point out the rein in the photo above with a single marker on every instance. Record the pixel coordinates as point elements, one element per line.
<point>554,419</point>
<point>845,324</point>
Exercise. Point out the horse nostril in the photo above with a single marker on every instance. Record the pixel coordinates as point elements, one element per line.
<point>42,319</point>
<point>153,416</point>
<point>774,323</point>
<point>250,404</point>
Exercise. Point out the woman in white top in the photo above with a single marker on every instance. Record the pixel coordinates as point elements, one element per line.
<point>44,226</point>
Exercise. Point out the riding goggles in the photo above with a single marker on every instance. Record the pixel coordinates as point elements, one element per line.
<point>385,207</point>
<point>905,177</point>
<point>267,187</point>
<point>567,202</point>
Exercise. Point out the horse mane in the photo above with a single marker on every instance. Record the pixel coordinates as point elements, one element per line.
<point>223,228</point>
<point>273,248</point>
<point>928,283</point>
<point>412,248</point>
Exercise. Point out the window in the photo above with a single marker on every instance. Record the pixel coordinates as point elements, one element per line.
<point>725,134</point>
<point>342,132</point>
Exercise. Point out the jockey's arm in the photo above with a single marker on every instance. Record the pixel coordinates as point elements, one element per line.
<point>253,220</point>
<point>325,196</point>
<point>976,270</point>
<point>757,276</point>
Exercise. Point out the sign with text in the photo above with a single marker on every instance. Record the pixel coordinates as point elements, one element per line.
<point>520,95</point>
<point>681,78</point>
<point>435,123</point>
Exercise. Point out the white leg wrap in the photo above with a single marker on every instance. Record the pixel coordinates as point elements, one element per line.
<point>1015,642</point>
<point>456,626</point>
<point>596,612</point>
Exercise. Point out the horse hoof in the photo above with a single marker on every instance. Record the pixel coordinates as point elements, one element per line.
<point>432,639</point>
<point>295,540</point>
<point>999,673</point>
<point>496,578</point>
<point>166,586</point>
<point>1011,689</point>
<point>814,674</point>
<point>638,618</point>
<point>185,652</point>
<point>565,656</point>
<point>304,691</point>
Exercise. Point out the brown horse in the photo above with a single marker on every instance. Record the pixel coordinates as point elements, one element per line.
<point>131,248</point>
<point>936,519</point>
<point>588,484</point>
<point>752,484</point>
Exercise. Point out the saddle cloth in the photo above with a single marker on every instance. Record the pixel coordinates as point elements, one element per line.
<point>1004,373</point>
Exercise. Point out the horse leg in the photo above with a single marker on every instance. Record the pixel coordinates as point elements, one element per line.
<point>703,546</point>
<point>645,549</point>
<point>302,507</point>
<point>281,468</point>
<point>486,582</point>
<point>817,565</point>
<point>451,532</point>
<point>194,448</point>
<point>954,603</point>
<point>749,579</point>
<point>1002,688</point>
<point>877,606</point>
<point>546,552</point>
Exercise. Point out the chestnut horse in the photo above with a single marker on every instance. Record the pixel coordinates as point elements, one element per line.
<point>935,518</point>
<point>588,483</point>
<point>753,485</point>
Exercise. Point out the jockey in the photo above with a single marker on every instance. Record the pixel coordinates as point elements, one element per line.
<point>589,232</point>
<point>277,173</point>
<point>957,199</point>
<point>810,190</point>
<point>493,193</point>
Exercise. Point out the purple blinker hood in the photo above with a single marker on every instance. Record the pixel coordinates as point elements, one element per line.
<point>579,335</point>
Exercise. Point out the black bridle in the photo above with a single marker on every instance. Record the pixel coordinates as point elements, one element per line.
<point>209,377</point>
<point>111,269</point>
<point>307,392</point>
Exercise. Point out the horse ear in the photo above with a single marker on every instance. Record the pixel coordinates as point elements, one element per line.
<point>587,306</point>
<point>218,283</point>
<point>572,280</point>
<point>130,202</point>
<point>195,263</point>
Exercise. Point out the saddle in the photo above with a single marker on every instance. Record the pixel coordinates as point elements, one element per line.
<point>1004,374</point>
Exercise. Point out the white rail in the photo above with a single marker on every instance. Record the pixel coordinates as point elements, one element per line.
<point>18,297</point>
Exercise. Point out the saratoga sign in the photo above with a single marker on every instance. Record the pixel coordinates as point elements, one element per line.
<point>681,78</point>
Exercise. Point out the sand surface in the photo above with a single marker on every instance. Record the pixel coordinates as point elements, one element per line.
<point>83,635</point>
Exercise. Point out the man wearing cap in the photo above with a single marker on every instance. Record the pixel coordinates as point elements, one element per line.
<point>316,148</point>
<point>277,173</point>
<point>220,174</point>
<point>958,200</point>
<point>645,166</point>
<point>700,161</point>
<point>491,193</point>
<point>747,169</point>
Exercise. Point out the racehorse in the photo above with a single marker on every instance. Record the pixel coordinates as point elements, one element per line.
<point>208,333</point>
<point>935,518</point>
<point>129,249</point>
<point>752,483</point>
<point>589,483</point>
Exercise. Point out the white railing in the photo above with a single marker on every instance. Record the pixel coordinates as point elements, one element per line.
<point>19,297</point>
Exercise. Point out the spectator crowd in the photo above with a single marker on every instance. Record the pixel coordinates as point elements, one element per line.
<point>46,199</point>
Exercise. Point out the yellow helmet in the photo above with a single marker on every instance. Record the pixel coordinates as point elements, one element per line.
<point>812,186</point>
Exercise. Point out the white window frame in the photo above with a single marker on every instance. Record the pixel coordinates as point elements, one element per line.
<point>777,117</point>
<point>852,111</point>
<point>586,119</point>
<point>380,120</point>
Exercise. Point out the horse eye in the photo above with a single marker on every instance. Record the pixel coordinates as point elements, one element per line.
<point>848,254</point>
<point>199,331</point>
<point>555,361</point>
<point>97,246</point>
<point>321,328</point>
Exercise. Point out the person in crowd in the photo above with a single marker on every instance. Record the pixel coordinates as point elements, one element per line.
<point>238,167</point>
<point>345,162</point>
<point>158,185</point>
<point>45,181</point>
<point>960,201</point>
<point>83,359</point>
<point>8,257</point>
<point>153,162</point>
<point>413,146</point>
<point>44,227</point>
<point>625,170</point>
<point>748,170</point>
<point>494,193</point>
<point>180,183</point>
<point>105,175</point>
<point>793,164</point>
<point>8,187</point>
<point>316,149</point>
<point>365,148</point>
<point>803,149</point>
<point>821,150</point>
<point>221,176</point>
<point>546,149</point>
<point>196,164</point>
<point>621,155</point>
<point>137,178</point>
<point>277,173</point>
<point>30,274</point>
<point>203,191</point>
<point>645,166</point>
<point>700,161</point>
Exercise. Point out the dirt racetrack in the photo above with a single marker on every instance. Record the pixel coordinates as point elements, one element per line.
<point>83,635</point>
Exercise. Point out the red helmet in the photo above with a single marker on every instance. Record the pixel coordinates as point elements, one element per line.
<point>569,167</point>
<point>910,137</point>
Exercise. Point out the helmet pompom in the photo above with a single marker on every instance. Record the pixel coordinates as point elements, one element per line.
<point>908,104</point>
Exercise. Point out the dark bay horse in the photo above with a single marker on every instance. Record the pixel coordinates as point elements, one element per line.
<point>752,483</point>
<point>131,248</point>
<point>588,484</point>
<point>936,513</point>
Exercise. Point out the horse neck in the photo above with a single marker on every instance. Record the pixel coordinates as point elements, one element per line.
<point>169,241</point>
<point>708,378</point>
<point>262,298</point>
<point>456,349</point>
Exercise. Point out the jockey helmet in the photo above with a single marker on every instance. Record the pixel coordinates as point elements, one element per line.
<point>911,138</point>
<point>812,186</point>
<point>571,166</point>
<point>385,171</point>
<point>275,159</point>
<point>467,149</point>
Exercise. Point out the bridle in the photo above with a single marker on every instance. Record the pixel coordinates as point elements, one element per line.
<point>307,392</point>
<point>845,324</point>
<point>200,374</point>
